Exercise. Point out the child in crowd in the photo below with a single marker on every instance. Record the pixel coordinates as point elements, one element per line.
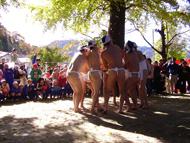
<point>2,97</point>
<point>42,88</point>
<point>31,90</point>
<point>16,91</point>
<point>5,88</point>
<point>23,77</point>
<point>55,90</point>
<point>55,73</point>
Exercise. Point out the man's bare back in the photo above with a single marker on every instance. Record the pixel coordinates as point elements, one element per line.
<point>94,59</point>
<point>113,63</point>
<point>79,64</point>
<point>112,57</point>
<point>132,62</point>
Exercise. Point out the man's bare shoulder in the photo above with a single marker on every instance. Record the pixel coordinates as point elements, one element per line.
<point>104,52</point>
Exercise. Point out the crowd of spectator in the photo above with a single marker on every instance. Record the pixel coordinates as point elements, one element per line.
<point>39,84</point>
<point>172,77</point>
<point>42,83</point>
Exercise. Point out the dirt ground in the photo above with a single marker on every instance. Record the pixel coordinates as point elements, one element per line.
<point>167,121</point>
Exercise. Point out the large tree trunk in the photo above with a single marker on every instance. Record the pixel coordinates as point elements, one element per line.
<point>117,23</point>
<point>164,46</point>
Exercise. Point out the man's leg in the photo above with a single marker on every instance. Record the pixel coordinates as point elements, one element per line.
<point>110,87</point>
<point>75,83</point>
<point>96,85</point>
<point>122,91</point>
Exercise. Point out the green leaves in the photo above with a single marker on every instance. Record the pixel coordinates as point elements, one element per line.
<point>78,15</point>
<point>5,3</point>
<point>52,55</point>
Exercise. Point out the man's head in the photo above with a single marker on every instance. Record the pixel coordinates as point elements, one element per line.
<point>91,44</point>
<point>29,81</point>
<point>106,40</point>
<point>184,63</point>
<point>35,66</point>
<point>13,50</point>
<point>3,81</point>
<point>22,66</point>
<point>173,59</point>
<point>130,46</point>
<point>38,60</point>
<point>149,60</point>
<point>3,60</point>
<point>156,63</point>
<point>6,66</point>
<point>84,50</point>
<point>15,84</point>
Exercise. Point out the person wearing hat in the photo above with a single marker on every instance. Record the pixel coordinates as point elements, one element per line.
<point>112,58</point>
<point>132,74</point>
<point>77,76</point>
<point>95,74</point>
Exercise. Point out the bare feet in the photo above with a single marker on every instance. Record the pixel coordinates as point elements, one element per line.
<point>84,108</point>
<point>78,110</point>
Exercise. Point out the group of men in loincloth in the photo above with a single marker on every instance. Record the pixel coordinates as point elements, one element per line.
<point>127,68</point>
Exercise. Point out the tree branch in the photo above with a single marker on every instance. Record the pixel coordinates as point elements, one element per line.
<point>147,40</point>
<point>169,42</point>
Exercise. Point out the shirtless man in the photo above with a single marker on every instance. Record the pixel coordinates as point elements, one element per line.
<point>112,61</point>
<point>77,75</point>
<point>95,74</point>
<point>143,78</point>
<point>131,60</point>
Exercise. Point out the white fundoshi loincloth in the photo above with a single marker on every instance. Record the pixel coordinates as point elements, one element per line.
<point>99,72</point>
<point>81,75</point>
<point>129,74</point>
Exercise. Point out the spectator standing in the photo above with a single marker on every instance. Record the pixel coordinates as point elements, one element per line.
<point>150,77</point>
<point>157,77</point>
<point>173,70</point>
<point>183,76</point>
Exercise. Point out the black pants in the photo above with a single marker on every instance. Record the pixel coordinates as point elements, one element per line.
<point>149,86</point>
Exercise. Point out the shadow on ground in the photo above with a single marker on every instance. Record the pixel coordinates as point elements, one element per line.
<point>168,120</point>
